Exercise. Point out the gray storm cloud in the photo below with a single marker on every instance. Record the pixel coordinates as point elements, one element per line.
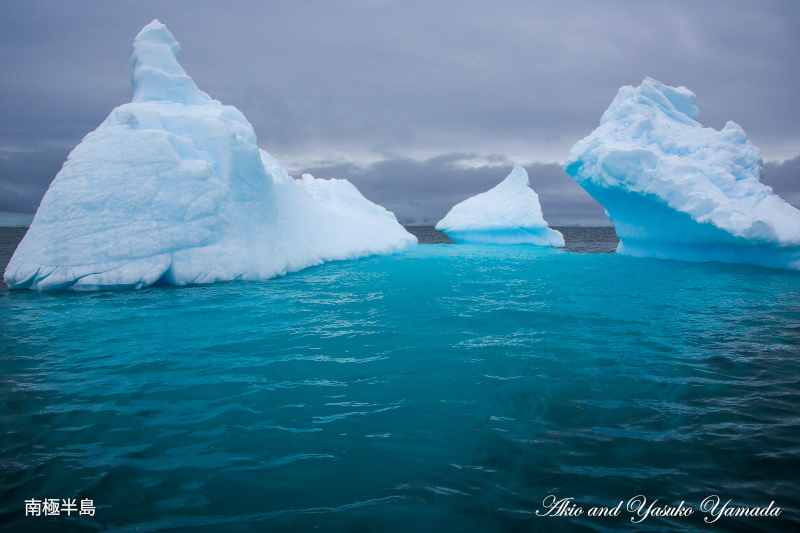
<point>392,95</point>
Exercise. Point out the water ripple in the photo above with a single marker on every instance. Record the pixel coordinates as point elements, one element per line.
<point>449,389</point>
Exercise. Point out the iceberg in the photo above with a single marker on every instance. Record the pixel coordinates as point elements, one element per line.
<point>507,214</point>
<point>172,188</point>
<point>677,190</point>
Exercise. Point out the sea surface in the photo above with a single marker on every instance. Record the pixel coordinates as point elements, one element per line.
<point>450,389</point>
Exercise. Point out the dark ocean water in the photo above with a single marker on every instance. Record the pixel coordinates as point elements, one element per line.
<point>429,235</point>
<point>449,389</point>
<point>9,239</point>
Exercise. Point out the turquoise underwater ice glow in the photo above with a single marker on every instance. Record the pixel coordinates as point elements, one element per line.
<point>451,388</point>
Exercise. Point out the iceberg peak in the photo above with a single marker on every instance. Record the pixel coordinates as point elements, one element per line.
<point>517,179</point>
<point>156,74</point>
<point>677,103</point>
<point>678,98</point>
<point>157,33</point>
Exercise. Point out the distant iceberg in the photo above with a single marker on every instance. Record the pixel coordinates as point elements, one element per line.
<point>675,189</point>
<point>172,188</point>
<point>507,214</point>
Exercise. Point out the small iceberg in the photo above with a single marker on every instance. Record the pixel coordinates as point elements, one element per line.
<point>507,214</point>
<point>675,189</point>
<point>172,188</point>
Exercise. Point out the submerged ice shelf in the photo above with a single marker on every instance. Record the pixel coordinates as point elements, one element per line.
<point>675,189</point>
<point>509,213</point>
<point>173,188</point>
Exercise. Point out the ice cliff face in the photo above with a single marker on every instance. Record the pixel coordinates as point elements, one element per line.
<point>677,190</point>
<point>173,188</point>
<point>507,214</point>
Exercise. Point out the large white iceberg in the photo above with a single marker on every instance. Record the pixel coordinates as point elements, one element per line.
<point>675,189</point>
<point>507,214</point>
<point>172,188</point>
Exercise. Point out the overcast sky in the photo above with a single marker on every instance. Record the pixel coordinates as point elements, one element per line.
<point>420,104</point>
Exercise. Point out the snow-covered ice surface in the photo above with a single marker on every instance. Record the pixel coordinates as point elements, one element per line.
<point>173,188</point>
<point>675,189</point>
<point>507,214</point>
